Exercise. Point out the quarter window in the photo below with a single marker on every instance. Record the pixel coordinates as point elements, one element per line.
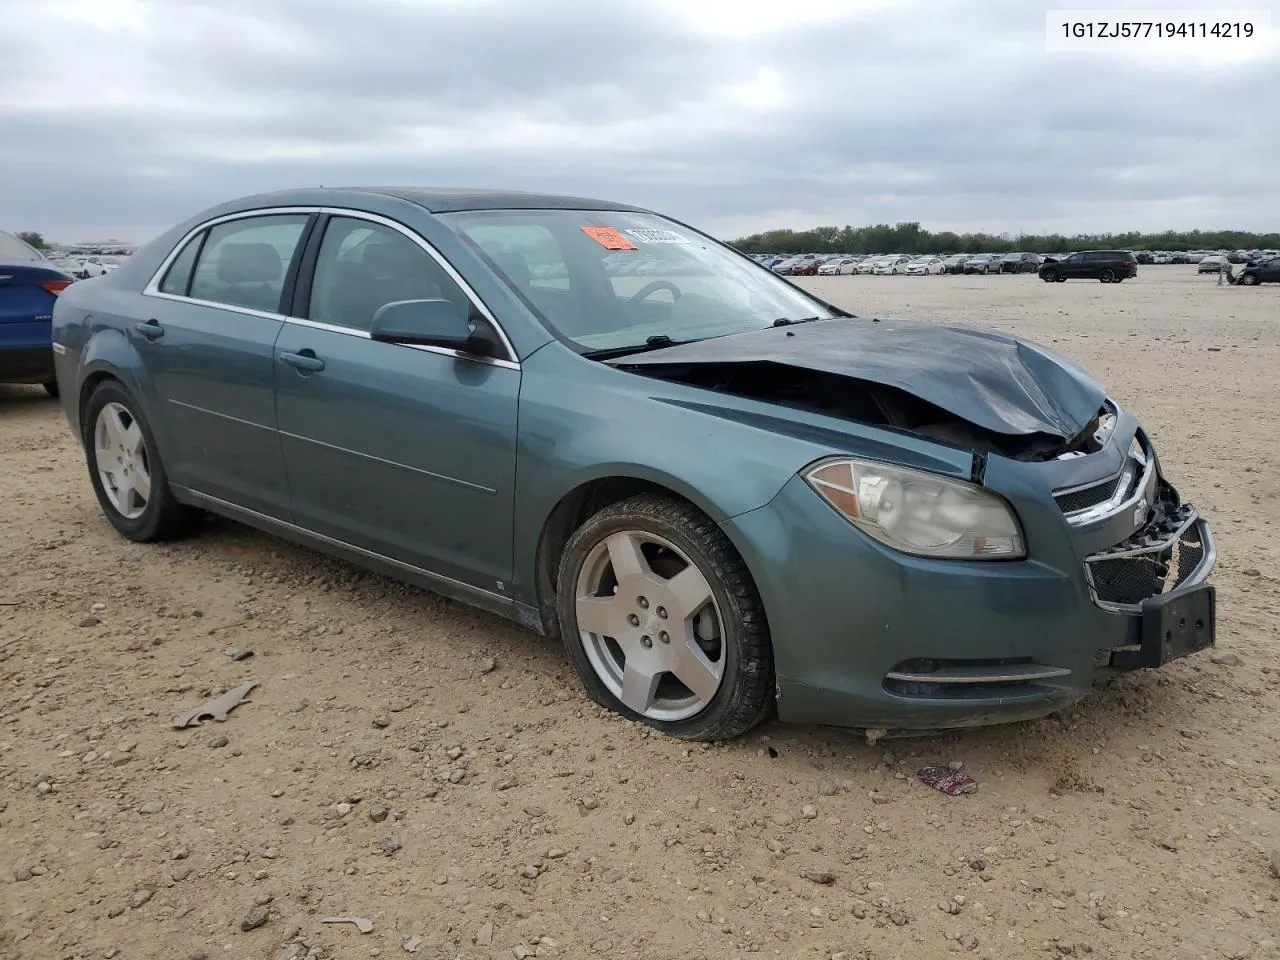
<point>363,265</point>
<point>178,277</point>
<point>244,262</point>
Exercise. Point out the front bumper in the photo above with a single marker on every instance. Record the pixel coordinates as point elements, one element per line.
<point>867,637</point>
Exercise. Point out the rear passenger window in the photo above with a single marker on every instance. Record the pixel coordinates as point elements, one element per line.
<point>244,262</point>
<point>363,265</point>
<point>178,277</point>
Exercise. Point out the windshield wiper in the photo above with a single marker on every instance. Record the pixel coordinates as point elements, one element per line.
<point>657,342</point>
<point>787,321</point>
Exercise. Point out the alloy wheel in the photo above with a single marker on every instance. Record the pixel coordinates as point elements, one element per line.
<point>120,457</point>
<point>650,625</point>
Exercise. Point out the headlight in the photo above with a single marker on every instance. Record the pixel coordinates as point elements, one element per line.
<point>917,512</point>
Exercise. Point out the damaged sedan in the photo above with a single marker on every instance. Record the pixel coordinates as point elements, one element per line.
<point>724,495</point>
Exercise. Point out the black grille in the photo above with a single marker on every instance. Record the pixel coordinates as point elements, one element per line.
<point>1153,561</point>
<point>1086,498</point>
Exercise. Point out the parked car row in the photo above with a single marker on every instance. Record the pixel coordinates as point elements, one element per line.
<point>830,265</point>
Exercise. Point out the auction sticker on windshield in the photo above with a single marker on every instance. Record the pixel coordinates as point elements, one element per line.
<point>654,235</point>
<point>610,238</point>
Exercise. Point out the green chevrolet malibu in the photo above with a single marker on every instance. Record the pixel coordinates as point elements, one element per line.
<point>724,495</point>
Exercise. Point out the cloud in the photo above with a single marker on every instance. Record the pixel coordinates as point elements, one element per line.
<point>736,115</point>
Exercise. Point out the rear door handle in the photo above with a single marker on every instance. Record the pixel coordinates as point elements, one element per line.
<point>151,329</point>
<point>305,360</point>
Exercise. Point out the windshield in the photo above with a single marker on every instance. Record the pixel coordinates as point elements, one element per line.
<point>611,279</point>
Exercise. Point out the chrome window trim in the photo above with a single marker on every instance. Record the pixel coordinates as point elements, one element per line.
<point>152,289</point>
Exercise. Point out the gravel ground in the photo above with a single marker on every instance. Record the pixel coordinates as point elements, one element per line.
<point>437,772</point>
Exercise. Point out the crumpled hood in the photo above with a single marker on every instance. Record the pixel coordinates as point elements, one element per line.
<point>998,382</point>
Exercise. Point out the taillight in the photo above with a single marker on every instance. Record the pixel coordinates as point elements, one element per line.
<point>1130,263</point>
<point>55,286</point>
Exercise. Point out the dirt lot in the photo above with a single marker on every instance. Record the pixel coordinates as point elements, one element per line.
<point>437,772</point>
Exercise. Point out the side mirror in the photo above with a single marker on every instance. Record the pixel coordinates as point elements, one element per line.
<point>431,323</point>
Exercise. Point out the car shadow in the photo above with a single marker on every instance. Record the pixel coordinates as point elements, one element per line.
<point>18,396</point>
<point>1054,751</point>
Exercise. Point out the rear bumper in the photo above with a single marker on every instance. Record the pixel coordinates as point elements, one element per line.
<point>26,364</point>
<point>867,637</point>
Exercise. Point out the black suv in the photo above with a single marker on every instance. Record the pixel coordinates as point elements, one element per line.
<point>1019,263</point>
<point>1109,266</point>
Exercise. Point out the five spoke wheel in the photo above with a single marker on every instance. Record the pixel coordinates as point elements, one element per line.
<point>650,625</point>
<point>120,453</point>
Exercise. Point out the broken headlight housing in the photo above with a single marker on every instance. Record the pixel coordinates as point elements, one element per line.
<point>918,512</point>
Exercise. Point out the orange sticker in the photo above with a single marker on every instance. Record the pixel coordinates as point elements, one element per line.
<point>609,238</point>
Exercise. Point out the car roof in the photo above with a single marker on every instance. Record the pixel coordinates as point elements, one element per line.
<point>453,199</point>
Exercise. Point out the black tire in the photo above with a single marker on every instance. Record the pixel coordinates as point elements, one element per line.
<point>1062,279</point>
<point>1049,276</point>
<point>1248,279</point>
<point>164,518</point>
<point>51,388</point>
<point>1107,276</point>
<point>746,694</point>
<point>985,271</point>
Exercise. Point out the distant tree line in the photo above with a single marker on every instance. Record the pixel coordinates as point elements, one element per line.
<point>911,238</point>
<point>33,239</point>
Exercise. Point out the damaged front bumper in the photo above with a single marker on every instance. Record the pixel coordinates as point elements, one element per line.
<point>867,637</point>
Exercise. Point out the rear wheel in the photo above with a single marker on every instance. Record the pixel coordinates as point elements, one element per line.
<point>1107,276</point>
<point>662,621</point>
<point>125,469</point>
<point>1248,279</point>
<point>1050,276</point>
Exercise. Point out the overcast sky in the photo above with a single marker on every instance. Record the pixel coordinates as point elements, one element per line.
<point>121,117</point>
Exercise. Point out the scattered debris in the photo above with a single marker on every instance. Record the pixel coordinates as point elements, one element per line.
<point>363,925</point>
<point>948,781</point>
<point>823,877</point>
<point>217,708</point>
<point>488,665</point>
<point>484,936</point>
<point>255,918</point>
<point>378,813</point>
<point>412,944</point>
<point>387,846</point>
<point>875,735</point>
<point>239,655</point>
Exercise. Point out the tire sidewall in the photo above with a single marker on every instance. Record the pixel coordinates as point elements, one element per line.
<point>147,525</point>
<point>576,551</point>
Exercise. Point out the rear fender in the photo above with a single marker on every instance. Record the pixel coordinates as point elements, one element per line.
<point>108,353</point>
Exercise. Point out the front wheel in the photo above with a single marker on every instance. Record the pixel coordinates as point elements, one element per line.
<point>1050,276</point>
<point>1107,276</point>
<point>662,621</point>
<point>1248,279</point>
<point>125,469</point>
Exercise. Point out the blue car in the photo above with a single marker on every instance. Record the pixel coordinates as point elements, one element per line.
<point>29,286</point>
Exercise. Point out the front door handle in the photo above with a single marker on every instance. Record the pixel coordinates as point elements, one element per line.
<point>151,329</point>
<point>304,360</point>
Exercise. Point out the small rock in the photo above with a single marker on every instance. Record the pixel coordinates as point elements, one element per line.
<point>530,872</point>
<point>978,864</point>
<point>521,951</point>
<point>22,875</point>
<point>218,742</point>
<point>294,951</point>
<point>949,906</point>
<point>1275,863</point>
<point>555,853</point>
<point>1189,733</point>
<point>488,665</point>
<point>255,918</point>
<point>387,846</point>
<point>90,622</point>
<point>412,944</point>
<point>968,941</point>
<point>114,912</point>
<point>827,789</point>
<point>151,806</point>
<point>342,809</point>
<point>180,873</point>
<point>44,787</point>
<point>1225,658</point>
<point>809,811</point>
<point>1170,842</point>
<point>506,783</point>
<point>956,765</point>
<point>484,936</point>
<point>533,810</point>
<point>378,813</point>
<point>823,877</point>
<point>590,803</point>
<point>239,655</point>
<point>382,722</point>
<point>262,899</point>
<point>139,898</point>
<point>1252,572</point>
<point>270,853</point>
